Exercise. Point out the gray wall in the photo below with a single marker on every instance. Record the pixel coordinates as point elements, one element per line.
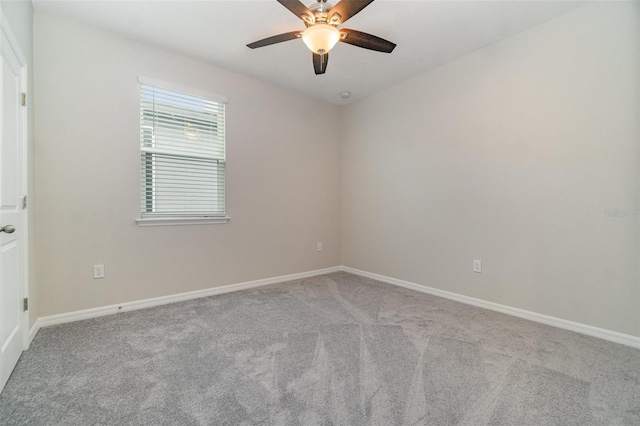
<point>19,14</point>
<point>283,180</point>
<point>512,155</point>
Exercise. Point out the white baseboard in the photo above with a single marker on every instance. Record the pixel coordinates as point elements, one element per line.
<point>613,336</point>
<point>32,332</point>
<point>156,301</point>
<point>588,330</point>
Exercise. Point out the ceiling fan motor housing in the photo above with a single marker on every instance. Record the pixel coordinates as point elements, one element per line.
<point>320,12</point>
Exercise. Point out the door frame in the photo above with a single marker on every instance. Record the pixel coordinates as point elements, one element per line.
<point>23,134</point>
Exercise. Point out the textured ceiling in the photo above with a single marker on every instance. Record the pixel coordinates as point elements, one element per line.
<point>428,34</point>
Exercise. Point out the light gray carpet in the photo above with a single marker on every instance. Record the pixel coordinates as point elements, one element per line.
<point>331,350</point>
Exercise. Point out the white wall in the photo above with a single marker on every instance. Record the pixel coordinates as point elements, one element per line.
<point>283,178</point>
<point>511,155</point>
<point>19,14</point>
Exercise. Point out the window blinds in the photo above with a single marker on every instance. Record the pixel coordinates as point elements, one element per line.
<point>182,153</point>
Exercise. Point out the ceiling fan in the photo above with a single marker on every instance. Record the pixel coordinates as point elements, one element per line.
<point>322,20</point>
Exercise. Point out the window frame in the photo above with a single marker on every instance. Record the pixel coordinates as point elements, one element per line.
<point>172,219</point>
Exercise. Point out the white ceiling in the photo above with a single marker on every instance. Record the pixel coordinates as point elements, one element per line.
<point>428,34</point>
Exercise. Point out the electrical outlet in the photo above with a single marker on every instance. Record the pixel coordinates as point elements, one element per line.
<point>98,271</point>
<point>477,266</point>
<point>319,247</point>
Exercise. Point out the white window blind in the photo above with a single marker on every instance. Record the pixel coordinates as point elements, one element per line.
<point>182,153</point>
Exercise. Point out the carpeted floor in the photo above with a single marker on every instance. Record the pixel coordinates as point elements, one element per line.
<point>337,349</point>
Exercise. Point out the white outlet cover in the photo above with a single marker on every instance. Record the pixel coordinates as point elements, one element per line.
<point>98,271</point>
<point>477,266</point>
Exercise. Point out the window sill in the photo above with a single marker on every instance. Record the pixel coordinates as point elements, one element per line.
<point>178,221</point>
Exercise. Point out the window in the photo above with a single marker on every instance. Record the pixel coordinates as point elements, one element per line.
<point>182,155</point>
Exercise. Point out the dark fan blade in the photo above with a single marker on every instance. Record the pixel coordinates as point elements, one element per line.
<point>346,9</point>
<point>320,63</point>
<point>368,41</point>
<point>274,39</point>
<point>300,10</point>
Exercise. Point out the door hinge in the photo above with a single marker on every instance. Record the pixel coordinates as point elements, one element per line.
<point>25,304</point>
<point>24,201</point>
<point>24,99</point>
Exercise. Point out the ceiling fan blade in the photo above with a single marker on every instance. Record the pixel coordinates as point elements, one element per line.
<point>367,41</point>
<point>300,10</point>
<point>346,9</point>
<point>275,39</point>
<point>320,63</point>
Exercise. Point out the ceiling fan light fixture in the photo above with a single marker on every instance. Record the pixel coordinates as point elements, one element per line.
<point>321,38</point>
<point>322,34</point>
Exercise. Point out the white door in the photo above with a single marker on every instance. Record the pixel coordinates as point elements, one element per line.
<point>12,221</point>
